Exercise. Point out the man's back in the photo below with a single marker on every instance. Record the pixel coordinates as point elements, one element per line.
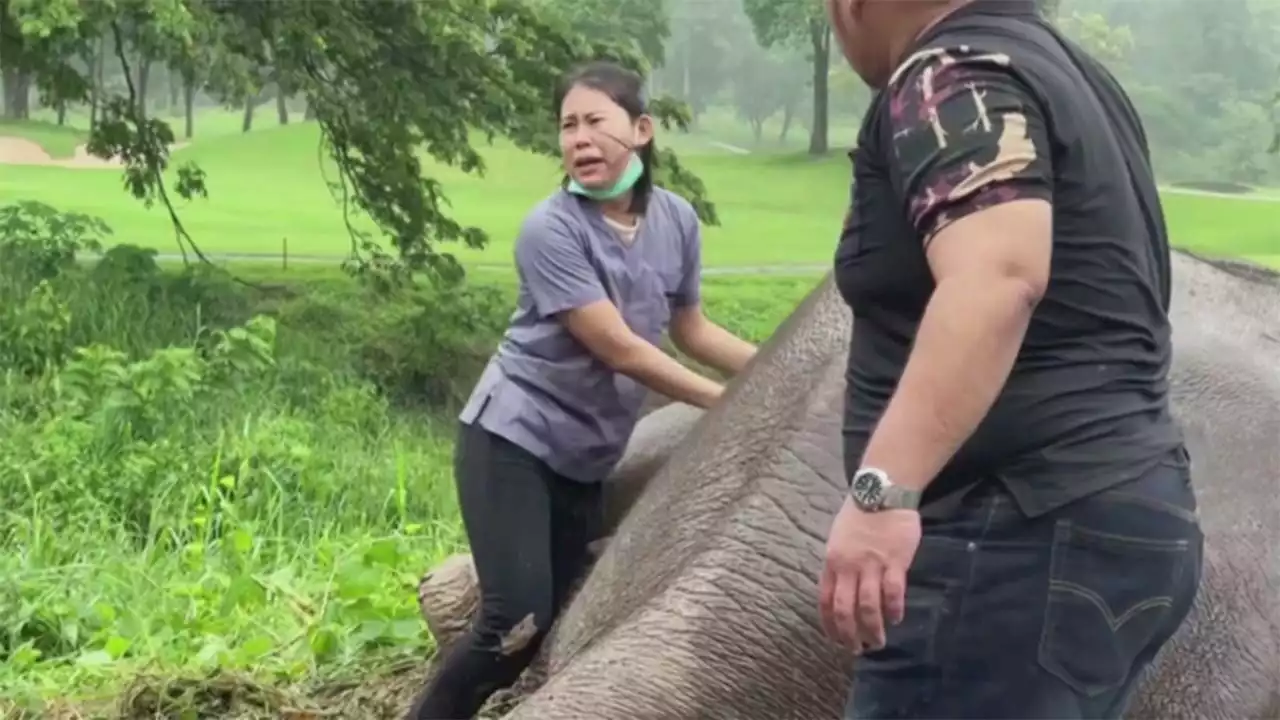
<point>1089,387</point>
<point>1002,182</point>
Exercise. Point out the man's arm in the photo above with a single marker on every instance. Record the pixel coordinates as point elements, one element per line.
<point>553,265</point>
<point>974,171</point>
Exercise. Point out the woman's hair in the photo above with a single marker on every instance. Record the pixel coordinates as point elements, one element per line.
<point>626,88</point>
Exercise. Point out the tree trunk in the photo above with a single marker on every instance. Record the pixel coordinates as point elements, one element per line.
<point>175,90</point>
<point>788,112</point>
<point>282,105</point>
<point>144,79</point>
<point>248,112</point>
<point>96,75</point>
<point>820,38</point>
<point>189,104</point>
<point>17,94</point>
<point>62,113</point>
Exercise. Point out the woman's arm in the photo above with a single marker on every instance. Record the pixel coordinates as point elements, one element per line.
<point>556,273</point>
<point>708,343</point>
<point>600,327</point>
<point>691,330</point>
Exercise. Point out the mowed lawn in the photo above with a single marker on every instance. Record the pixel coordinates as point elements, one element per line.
<point>268,188</point>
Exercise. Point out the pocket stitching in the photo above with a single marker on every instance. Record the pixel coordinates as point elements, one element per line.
<point>1153,504</point>
<point>1064,533</point>
<point>1115,623</point>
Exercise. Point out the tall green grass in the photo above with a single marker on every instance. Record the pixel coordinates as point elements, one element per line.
<point>199,474</point>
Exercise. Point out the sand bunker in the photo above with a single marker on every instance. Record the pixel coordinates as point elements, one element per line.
<point>20,151</point>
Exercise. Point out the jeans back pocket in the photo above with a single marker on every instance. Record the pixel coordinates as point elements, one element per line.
<point>1114,598</point>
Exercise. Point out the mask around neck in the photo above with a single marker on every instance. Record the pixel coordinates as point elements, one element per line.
<point>625,181</point>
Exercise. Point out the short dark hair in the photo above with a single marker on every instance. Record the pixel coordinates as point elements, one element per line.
<point>626,88</point>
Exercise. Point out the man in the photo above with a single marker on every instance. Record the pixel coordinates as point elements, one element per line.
<point>1020,537</point>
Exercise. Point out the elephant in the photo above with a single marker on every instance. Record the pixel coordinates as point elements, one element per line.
<point>703,603</point>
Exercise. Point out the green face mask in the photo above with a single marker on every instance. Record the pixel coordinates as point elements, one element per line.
<point>626,181</point>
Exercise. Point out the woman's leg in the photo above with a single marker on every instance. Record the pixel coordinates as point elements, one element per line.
<point>577,512</point>
<point>506,509</point>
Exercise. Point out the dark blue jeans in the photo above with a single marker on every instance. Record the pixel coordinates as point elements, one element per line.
<point>1054,617</point>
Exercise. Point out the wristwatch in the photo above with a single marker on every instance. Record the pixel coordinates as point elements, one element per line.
<point>872,491</point>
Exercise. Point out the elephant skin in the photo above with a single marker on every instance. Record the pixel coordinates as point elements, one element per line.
<point>704,605</point>
<point>651,444</point>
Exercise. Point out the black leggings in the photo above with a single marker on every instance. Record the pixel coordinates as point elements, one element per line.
<point>529,530</point>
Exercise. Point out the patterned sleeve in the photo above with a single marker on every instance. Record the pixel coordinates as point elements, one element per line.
<point>966,135</point>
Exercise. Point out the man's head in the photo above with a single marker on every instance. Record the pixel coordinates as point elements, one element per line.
<point>875,33</point>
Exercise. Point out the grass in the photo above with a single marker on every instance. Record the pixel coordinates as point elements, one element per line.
<point>230,479</point>
<point>199,475</point>
<point>777,209</point>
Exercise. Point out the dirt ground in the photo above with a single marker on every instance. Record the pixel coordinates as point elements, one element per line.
<point>20,151</point>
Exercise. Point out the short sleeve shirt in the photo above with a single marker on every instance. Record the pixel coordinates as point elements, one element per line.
<point>542,389</point>
<point>992,106</point>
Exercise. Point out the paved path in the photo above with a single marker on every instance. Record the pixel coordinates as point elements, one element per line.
<point>1265,197</point>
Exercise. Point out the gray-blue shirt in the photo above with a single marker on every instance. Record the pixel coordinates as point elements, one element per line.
<point>543,390</point>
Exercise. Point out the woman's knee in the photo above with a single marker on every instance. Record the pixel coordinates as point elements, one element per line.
<point>511,628</point>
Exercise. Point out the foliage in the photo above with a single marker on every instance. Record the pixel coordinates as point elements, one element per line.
<point>1110,44</point>
<point>761,88</point>
<point>169,449</point>
<point>383,79</point>
<point>642,25</point>
<point>201,476</point>
<point>786,21</point>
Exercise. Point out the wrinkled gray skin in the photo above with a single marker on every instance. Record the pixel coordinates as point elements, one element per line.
<point>704,604</point>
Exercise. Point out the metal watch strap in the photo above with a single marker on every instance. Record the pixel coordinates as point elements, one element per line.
<point>897,497</point>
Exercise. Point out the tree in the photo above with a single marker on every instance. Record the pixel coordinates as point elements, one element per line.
<point>795,22</point>
<point>763,86</point>
<point>641,25</point>
<point>384,80</point>
<point>704,49</point>
<point>1274,149</point>
<point>1108,42</point>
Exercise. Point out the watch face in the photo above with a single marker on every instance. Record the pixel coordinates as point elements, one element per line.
<point>867,490</point>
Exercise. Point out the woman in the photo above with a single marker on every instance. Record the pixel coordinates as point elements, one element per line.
<point>606,266</point>
<point>1020,538</point>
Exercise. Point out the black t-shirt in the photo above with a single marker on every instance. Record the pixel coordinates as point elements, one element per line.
<point>993,105</point>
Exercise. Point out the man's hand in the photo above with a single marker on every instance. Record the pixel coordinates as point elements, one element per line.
<point>864,582</point>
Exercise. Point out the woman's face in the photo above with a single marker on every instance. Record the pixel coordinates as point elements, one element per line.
<point>597,136</point>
